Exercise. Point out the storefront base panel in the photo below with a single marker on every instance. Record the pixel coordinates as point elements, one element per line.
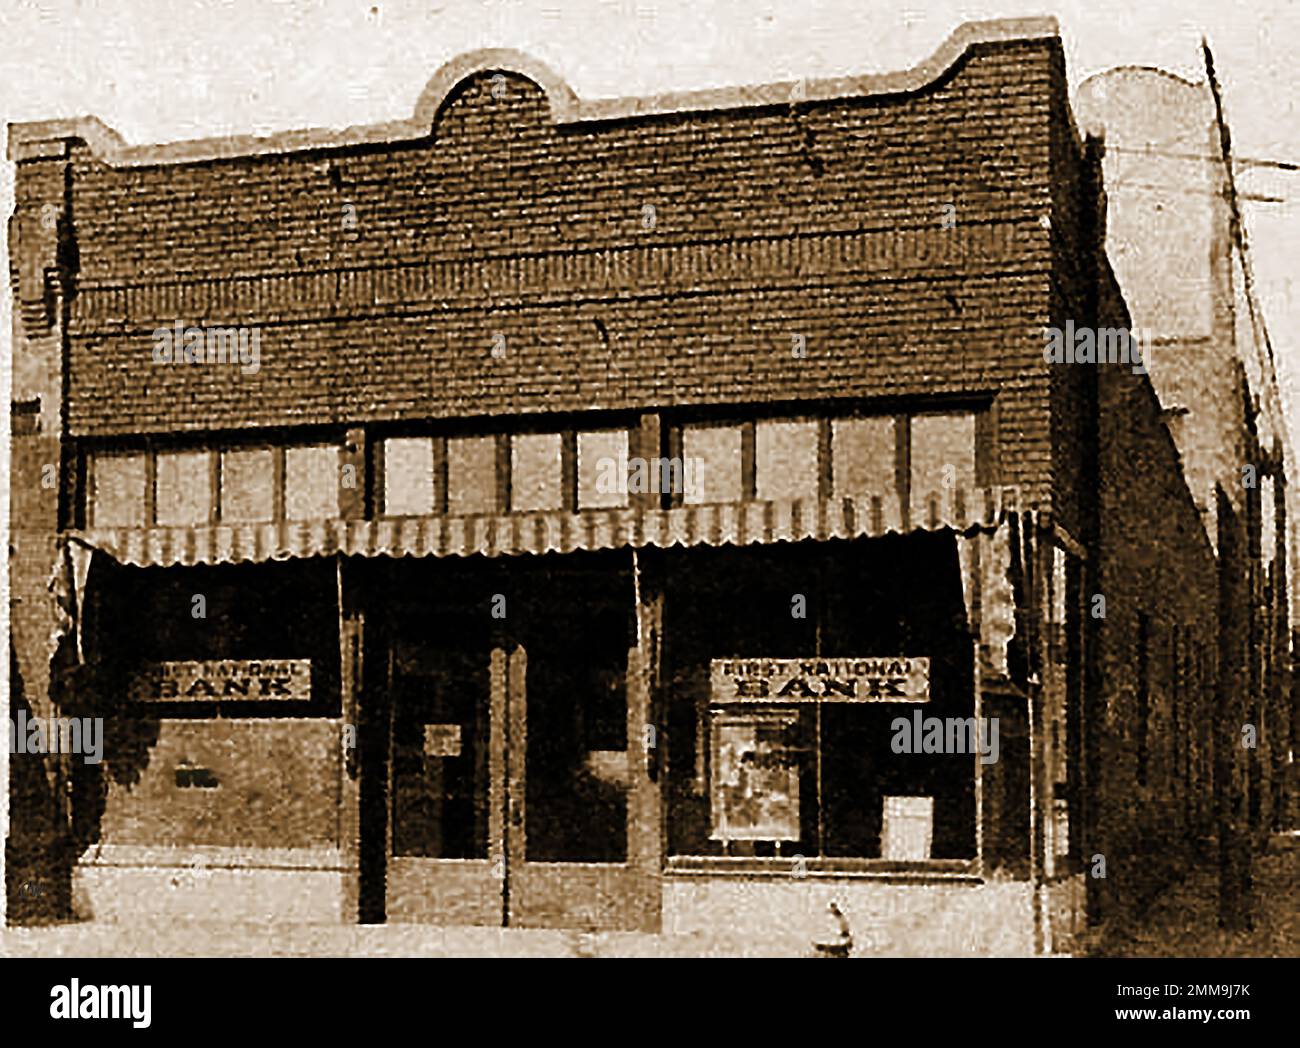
<point>120,883</point>
<point>785,917</point>
<point>452,892</point>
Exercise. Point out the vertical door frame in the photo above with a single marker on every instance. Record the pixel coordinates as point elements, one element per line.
<point>510,777</point>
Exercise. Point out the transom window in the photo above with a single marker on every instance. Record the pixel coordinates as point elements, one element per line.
<point>916,456</point>
<point>191,487</point>
<point>118,484</point>
<point>786,460</point>
<point>472,475</point>
<point>603,469</point>
<point>311,482</point>
<point>247,485</point>
<point>911,456</point>
<point>410,477</point>
<point>536,472</point>
<point>505,472</point>
<point>718,455</point>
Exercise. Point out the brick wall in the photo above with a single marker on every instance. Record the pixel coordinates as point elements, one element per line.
<point>1156,561</point>
<point>826,220</point>
<point>1076,252</point>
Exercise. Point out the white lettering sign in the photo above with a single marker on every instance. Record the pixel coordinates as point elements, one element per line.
<point>874,679</point>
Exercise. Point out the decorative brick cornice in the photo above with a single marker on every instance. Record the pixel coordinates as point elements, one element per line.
<point>37,139</point>
<point>562,276</point>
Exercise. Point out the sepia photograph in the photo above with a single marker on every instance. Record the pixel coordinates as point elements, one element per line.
<point>651,480</point>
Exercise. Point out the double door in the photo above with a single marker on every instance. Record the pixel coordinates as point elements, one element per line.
<point>517,770</point>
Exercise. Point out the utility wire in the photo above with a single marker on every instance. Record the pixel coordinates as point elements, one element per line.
<point>1256,198</point>
<point>1238,228</point>
<point>1241,161</point>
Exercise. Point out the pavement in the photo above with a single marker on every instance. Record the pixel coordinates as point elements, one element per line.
<point>210,939</point>
<point>1183,920</point>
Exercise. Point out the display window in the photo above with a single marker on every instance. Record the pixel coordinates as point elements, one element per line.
<point>789,671</point>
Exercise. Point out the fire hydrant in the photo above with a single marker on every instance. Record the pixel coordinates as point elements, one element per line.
<point>842,944</point>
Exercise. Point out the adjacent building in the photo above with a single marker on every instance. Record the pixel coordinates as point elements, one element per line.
<point>1170,234</point>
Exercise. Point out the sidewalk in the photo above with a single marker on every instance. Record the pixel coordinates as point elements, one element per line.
<point>209,939</point>
<point>1183,921</point>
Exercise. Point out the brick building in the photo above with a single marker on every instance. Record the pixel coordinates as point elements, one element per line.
<point>1170,234</point>
<point>375,637</point>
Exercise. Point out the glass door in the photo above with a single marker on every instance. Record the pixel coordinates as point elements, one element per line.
<point>446,856</point>
<point>516,772</point>
<point>582,841</point>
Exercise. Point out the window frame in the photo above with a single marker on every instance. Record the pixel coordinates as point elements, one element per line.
<point>694,777</point>
<point>987,472</point>
<point>89,454</point>
<point>567,429</point>
<point>277,482</point>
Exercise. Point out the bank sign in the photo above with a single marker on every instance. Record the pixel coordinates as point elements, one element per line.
<point>230,680</point>
<point>876,679</point>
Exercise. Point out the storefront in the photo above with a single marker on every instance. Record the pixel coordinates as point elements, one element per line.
<point>568,706</point>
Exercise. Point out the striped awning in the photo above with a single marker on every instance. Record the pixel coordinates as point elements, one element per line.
<point>729,524</point>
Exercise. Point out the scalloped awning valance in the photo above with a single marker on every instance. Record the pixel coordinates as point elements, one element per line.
<point>728,524</point>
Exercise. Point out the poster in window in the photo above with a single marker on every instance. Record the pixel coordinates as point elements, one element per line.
<point>755,776</point>
<point>442,740</point>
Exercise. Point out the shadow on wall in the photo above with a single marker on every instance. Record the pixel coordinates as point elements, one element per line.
<point>57,801</point>
<point>38,852</point>
<point>98,688</point>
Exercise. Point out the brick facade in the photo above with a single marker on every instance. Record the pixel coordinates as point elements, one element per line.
<point>825,219</point>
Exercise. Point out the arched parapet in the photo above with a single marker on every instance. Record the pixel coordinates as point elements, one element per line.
<point>34,140</point>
